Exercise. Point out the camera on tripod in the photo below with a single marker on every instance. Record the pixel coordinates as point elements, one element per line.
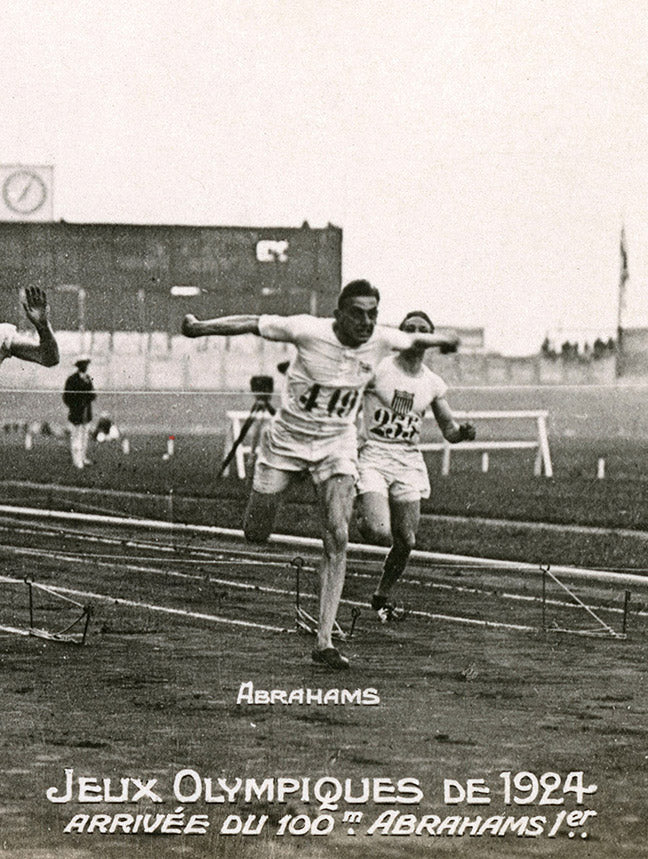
<point>262,387</point>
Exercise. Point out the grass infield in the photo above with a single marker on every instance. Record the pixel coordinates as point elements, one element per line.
<point>470,512</point>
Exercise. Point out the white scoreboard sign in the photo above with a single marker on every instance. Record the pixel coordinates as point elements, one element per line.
<point>26,192</point>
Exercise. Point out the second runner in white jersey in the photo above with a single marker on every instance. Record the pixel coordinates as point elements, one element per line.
<point>390,462</point>
<point>393,476</point>
<point>395,402</point>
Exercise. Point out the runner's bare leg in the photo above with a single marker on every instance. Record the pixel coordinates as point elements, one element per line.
<point>335,498</point>
<point>260,516</point>
<point>374,518</point>
<point>405,516</point>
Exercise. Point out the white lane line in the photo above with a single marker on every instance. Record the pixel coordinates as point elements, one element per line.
<point>587,530</point>
<point>195,615</point>
<point>311,542</point>
<point>91,560</point>
<point>15,630</point>
<point>173,552</point>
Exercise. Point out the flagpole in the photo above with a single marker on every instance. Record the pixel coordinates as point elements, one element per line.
<point>623,279</point>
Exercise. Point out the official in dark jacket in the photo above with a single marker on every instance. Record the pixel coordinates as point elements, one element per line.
<point>78,396</point>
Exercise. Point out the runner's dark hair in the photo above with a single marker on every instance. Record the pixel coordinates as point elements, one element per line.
<point>421,314</point>
<point>356,288</point>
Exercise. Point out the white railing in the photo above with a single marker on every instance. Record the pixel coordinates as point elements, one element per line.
<point>540,444</point>
<point>542,463</point>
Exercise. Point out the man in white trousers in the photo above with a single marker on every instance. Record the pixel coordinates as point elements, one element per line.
<point>78,396</point>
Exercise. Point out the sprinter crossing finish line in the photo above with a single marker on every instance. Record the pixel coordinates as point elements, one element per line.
<point>314,429</point>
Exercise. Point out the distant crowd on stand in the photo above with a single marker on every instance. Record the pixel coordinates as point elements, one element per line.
<point>575,352</point>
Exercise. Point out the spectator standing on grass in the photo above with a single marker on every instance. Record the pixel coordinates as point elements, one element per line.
<point>78,396</point>
<point>314,430</point>
<point>22,346</point>
<point>393,475</point>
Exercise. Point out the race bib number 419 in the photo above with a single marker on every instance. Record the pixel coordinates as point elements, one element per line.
<point>321,401</point>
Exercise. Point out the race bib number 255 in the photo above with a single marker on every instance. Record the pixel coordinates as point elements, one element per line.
<point>388,425</point>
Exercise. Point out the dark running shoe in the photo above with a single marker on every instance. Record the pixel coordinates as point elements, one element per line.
<point>331,657</point>
<point>387,613</point>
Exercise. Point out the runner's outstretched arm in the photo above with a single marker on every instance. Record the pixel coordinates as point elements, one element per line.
<point>221,326</point>
<point>447,342</point>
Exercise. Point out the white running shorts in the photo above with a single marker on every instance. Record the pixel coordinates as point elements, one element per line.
<point>395,471</point>
<point>283,453</point>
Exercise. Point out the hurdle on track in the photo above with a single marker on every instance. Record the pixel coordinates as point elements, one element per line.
<point>600,629</point>
<point>64,635</point>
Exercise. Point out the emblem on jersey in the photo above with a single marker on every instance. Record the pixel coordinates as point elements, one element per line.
<point>402,402</point>
<point>366,368</point>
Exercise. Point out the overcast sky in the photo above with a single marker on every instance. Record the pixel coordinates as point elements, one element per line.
<point>479,156</point>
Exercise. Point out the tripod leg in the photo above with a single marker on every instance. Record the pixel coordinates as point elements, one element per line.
<point>254,436</point>
<point>239,439</point>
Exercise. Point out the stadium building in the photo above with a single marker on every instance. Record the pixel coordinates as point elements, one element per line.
<point>144,278</point>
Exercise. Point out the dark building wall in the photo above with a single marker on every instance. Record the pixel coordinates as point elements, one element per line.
<point>118,277</point>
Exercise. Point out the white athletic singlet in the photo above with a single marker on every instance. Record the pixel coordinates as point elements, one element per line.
<point>325,380</point>
<point>7,334</point>
<point>394,402</point>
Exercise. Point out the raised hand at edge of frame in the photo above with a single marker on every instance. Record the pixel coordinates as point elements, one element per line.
<point>36,306</point>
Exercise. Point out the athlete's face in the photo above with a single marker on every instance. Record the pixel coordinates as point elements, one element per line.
<point>416,325</point>
<point>356,319</point>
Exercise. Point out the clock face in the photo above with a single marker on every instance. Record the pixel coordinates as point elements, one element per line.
<point>24,192</point>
